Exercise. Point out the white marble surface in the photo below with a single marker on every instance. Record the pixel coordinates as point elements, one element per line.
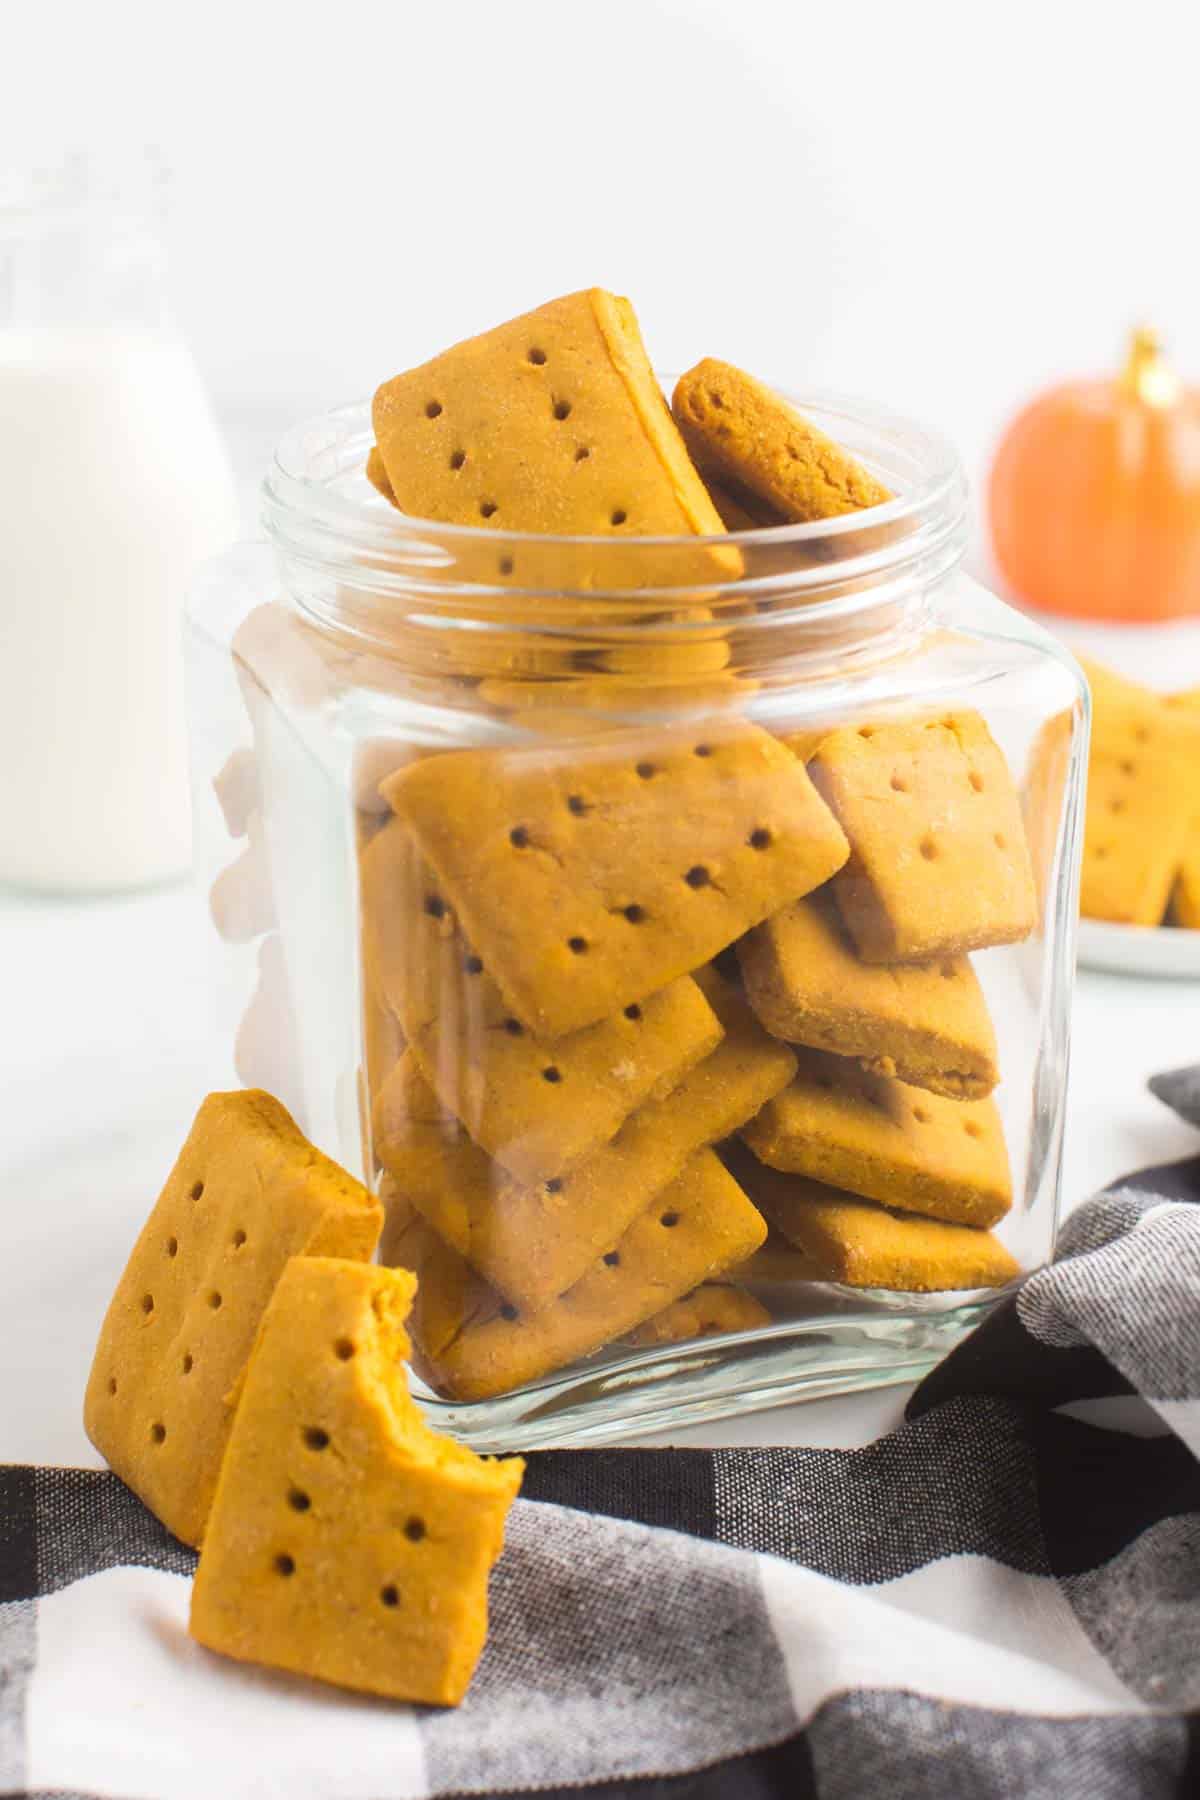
<point>107,1050</point>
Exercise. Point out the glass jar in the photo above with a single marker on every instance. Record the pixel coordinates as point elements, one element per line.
<point>650,921</point>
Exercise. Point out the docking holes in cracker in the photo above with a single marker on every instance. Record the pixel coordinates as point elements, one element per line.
<point>347,1540</point>
<point>247,1193</point>
<point>588,876</point>
<point>1143,803</point>
<point>938,860</point>
<point>533,1240</point>
<point>473,1344</point>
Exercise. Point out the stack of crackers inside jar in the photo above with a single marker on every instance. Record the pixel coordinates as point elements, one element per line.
<point>662,1016</point>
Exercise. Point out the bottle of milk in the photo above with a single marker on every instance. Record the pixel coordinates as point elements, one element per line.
<point>113,484</point>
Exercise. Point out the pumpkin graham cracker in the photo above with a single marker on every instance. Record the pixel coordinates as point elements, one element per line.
<point>805,743</point>
<point>347,1540</point>
<point>537,1106</point>
<point>692,1232</point>
<point>383,1040</point>
<point>577,705</point>
<point>376,473</point>
<point>551,423</point>
<point>449,1292</point>
<point>740,508</point>
<point>938,863</point>
<point>595,638</point>
<point>886,1141</point>
<point>589,875</point>
<point>749,436</point>
<point>1143,797</point>
<point>1135,833</point>
<point>1186,891</point>
<point>709,1310</point>
<point>1185,895</point>
<point>247,1192</point>
<point>532,1242</point>
<point>926,1023</point>
<point>777,1263</point>
<point>1043,790</point>
<point>859,1244</point>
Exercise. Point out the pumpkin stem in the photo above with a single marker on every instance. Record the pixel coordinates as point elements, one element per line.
<point>1148,376</point>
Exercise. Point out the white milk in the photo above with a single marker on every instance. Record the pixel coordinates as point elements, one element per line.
<point>113,484</point>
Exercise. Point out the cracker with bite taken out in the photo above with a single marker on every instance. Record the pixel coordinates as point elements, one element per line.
<point>348,1541</point>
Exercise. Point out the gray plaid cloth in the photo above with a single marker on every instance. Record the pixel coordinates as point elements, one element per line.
<point>1001,1598</point>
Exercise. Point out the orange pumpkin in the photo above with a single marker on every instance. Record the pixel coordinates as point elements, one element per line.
<point>1095,495</point>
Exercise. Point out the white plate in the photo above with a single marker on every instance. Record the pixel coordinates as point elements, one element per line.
<point>1139,949</point>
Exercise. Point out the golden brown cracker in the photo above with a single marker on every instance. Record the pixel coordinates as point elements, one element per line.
<point>886,1141</point>
<point>591,874</point>
<point>1134,836</point>
<point>584,702</point>
<point>749,435</point>
<point>1043,792</point>
<point>551,423</point>
<point>1185,895</point>
<point>709,1310</point>
<point>376,473</point>
<point>383,1040</point>
<point>248,1192</point>
<point>806,742</point>
<point>859,1244</point>
<point>740,508</point>
<point>1142,800</point>
<point>532,1242</point>
<point>449,1292</point>
<point>776,1263</point>
<point>938,863</point>
<point>926,1023</point>
<point>693,1231</point>
<point>348,1541</point>
<point>537,1106</point>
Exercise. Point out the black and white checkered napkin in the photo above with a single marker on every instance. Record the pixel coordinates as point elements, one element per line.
<point>1002,1598</point>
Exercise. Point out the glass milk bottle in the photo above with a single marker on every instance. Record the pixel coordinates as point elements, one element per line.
<point>116,483</point>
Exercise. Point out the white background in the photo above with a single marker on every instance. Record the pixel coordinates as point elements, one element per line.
<point>940,203</point>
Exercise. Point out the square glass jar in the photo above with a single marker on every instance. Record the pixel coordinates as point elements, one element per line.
<point>606,901</point>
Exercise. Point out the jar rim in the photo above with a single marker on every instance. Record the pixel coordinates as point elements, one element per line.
<point>313,465</point>
<point>859,583</point>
